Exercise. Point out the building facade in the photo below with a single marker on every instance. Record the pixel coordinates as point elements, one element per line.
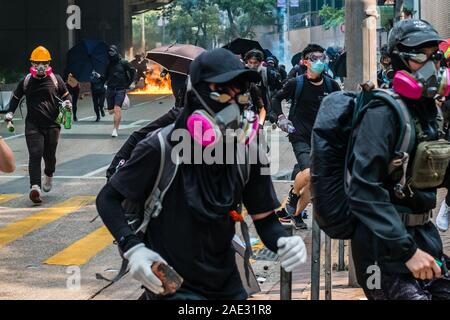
<point>25,24</point>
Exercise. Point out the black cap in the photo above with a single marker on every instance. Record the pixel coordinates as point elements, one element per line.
<point>412,33</point>
<point>220,66</point>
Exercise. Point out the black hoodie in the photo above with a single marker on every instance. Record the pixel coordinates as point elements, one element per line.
<point>119,73</point>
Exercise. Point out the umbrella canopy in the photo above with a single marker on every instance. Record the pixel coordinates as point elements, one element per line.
<point>87,56</point>
<point>296,58</point>
<point>340,66</point>
<point>445,48</point>
<point>242,46</point>
<point>176,57</point>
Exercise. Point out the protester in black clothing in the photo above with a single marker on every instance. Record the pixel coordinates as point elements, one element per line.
<point>178,82</point>
<point>73,86</point>
<point>119,77</point>
<point>296,71</point>
<point>302,116</point>
<point>283,73</point>
<point>395,234</point>
<point>140,64</point>
<point>385,73</point>
<point>98,92</point>
<point>43,91</point>
<point>202,198</point>
<point>270,79</point>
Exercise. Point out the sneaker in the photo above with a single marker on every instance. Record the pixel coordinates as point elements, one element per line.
<point>291,204</point>
<point>299,223</point>
<point>35,194</point>
<point>443,217</point>
<point>102,112</point>
<point>97,119</point>
<point>283,216</point>
<point>304,214</point>
<point>48,183</point>
<point>114,133</point>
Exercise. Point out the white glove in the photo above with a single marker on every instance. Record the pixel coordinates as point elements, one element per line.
<point>9,116</point>
<point>292,252</point>
<point>67,104</point>
<point>140,260</point>
<point>285,124</point>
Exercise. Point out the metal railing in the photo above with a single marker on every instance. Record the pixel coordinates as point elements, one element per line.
<point>286,277</point>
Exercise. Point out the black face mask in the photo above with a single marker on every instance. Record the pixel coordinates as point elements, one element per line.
<point>113,53</point>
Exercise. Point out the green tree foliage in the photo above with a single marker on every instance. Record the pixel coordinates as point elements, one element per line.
<point>197,22</point>
<point>244,15</point>
<point>206,23</point>
<point>332,17</point>
<point>152,31</point>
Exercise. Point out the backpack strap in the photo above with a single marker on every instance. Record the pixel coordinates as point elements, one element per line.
<point>166,175</point>
<point>407,135</point>
<point>407,138</point>
<point>265,78</point>
<point>27,79</point>
<point>299,84</point>
<point>55,80</point>
<point>328,84</point>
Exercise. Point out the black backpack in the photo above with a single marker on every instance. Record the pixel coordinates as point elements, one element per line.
<point>138,215</point>
<point>332,142</point>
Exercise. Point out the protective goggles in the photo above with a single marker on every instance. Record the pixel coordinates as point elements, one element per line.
<point>240,98</point>
<point>421,57</point>
<point>45,63</point>
<point>317,57</point>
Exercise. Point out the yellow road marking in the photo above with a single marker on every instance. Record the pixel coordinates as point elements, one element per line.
<point>25,226</point>
<point>83,250</point>
<point>8,197</point>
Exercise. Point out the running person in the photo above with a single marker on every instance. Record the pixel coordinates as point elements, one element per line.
<point>119,77</point>
<point>42,89</point>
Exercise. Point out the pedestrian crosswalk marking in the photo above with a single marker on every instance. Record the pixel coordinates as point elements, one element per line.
<point>80,252</point>
<point>25,226</point>
<point>8,197</point>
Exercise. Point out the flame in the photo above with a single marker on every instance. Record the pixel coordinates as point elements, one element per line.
<point>154,83</point>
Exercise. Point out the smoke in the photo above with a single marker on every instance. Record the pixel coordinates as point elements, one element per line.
<point>281,47</point>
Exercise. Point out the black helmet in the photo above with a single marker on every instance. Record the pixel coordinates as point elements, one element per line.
<point>411,33</point>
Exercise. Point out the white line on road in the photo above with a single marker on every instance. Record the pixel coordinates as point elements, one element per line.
<point>56,177</point>
<point>93,173</point>
<point>87,118</point>
<point>14,137</point>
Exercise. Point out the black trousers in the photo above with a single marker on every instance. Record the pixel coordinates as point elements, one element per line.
<point>405,287</point>
<point>98,98</point>
<point>41,143</point>
<point>75,93</point>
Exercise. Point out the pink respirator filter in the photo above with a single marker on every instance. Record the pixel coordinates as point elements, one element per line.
<point>202,129</point>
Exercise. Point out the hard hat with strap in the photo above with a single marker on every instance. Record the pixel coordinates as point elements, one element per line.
<point>40,54</point>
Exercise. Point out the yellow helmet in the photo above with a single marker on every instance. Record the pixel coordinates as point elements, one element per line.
<point>40,54</point>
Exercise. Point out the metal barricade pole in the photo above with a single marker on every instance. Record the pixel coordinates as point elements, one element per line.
<point>315,259</point>
<point>341,262</point>
<point>328,269</point>
<point>286,277</point>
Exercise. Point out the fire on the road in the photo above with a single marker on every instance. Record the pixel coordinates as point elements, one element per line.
<point>154,83</point>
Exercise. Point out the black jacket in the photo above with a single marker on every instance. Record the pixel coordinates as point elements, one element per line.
<point>119,74</point>
<point>381,236</point>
